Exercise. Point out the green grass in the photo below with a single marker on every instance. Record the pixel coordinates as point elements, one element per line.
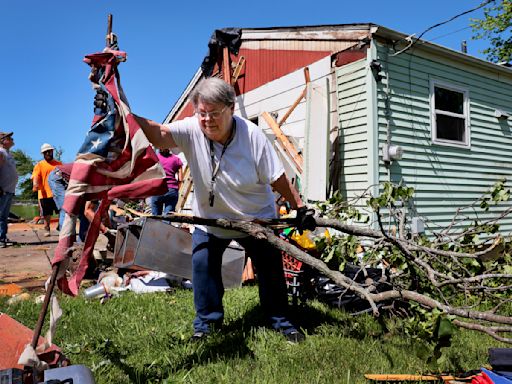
<point>27,212</point>
<point>145,339</point>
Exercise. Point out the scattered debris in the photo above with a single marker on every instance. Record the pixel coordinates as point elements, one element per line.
<point>17,298</point>
<point>10,289</point>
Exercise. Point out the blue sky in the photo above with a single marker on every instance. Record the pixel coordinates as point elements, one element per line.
<point>45,95</point>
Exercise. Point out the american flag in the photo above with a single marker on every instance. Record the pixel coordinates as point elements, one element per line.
<point>116,160</point>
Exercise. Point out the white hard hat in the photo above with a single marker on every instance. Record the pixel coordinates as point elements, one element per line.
<point>46,147</point>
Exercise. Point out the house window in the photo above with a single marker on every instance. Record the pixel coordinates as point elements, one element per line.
<point>450,115</point>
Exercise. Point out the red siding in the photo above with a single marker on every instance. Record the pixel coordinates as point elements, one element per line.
<point>349,56</point>
<point>264,65</point>
<point>185,112</point>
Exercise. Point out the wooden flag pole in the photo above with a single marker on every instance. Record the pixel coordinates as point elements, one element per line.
<point>109,31</point>
<point>44,309</point>
<point>55,268</point>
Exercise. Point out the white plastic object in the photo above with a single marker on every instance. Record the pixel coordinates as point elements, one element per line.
<point>392,152</point>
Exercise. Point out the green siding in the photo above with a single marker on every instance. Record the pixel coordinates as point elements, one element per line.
<point>353,111</point>
<point>445,177</point>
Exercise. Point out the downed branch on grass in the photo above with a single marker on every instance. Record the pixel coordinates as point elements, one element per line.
<point>263,230</point>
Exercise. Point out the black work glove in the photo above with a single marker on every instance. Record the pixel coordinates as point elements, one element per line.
<point>111,236</point>
<point>100,102</point>
<point>305,219</point>
<point>1,191</point>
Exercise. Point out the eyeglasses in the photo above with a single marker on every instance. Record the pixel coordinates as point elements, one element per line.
<point>212,114</point>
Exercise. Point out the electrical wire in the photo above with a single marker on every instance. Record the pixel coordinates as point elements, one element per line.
<point>448,34</point>
<point>413,42</point>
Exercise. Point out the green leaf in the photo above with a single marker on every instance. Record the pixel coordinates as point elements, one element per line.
<point>445,328</point>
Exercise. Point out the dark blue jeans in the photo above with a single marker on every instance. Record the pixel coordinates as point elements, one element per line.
<point>208,288</point>
<point>58,187</point>
<point>163,204</point>
<point>5,207</point>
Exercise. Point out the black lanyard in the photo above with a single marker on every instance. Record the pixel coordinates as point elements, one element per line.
<point>216,167</point>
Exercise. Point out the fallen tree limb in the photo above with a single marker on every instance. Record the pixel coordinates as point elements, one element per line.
<point>263,230</point>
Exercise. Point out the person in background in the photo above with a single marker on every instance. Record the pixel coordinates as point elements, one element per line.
<point>8,181</point>
<point>172,166</point>
<point>234,168</point>
<point>58,180</point>
<point>40,184</point>
<point>106,229</point>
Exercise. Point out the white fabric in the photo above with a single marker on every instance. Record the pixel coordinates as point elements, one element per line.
<point>242,187</point>
<point>29,358</point>
<point>152,282</point>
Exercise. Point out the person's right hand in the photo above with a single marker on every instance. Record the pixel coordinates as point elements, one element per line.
<point>100,102</point>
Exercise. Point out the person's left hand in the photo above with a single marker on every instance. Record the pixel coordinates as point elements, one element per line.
<point>100,102</point>
<point>305,219</point>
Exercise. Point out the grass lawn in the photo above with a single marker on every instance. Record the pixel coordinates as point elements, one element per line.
<point>27,212</point>
<point>145,339</point>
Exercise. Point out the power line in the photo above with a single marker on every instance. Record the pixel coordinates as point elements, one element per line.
<point>448,34</point>
<point>413,42</point>
<point>456,16</point>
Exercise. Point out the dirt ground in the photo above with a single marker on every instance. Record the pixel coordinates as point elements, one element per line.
<point>28,263</point>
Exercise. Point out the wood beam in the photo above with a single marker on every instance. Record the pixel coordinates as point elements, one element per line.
<point>226,70</point>
<point>286,144</point>
<point>299,99</point>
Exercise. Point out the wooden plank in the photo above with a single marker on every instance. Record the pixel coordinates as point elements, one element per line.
<point>238,68</point>
<point>185,188</point>
<point>292,108</point>
<point>284,141</point>
<point>226,70</point>
<point>400,377</point>
<point>307,79</point>
<point>108,38</point>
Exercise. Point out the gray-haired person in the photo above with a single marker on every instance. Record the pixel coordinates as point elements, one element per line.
<point>8,181</point>
<point>234,168</point>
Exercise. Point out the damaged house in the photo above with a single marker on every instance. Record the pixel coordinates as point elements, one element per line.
<point>352,106</point>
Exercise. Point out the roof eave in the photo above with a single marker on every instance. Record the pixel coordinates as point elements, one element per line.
<point>390,34</point>
<point>317,32</point>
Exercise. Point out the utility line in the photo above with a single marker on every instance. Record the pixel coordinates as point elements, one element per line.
<point>413,42</point>
<point>448,34</point>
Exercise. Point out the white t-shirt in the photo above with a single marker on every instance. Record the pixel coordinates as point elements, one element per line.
<point>242,185</point>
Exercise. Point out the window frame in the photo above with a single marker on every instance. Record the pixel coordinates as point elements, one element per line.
<point>465,115</point>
